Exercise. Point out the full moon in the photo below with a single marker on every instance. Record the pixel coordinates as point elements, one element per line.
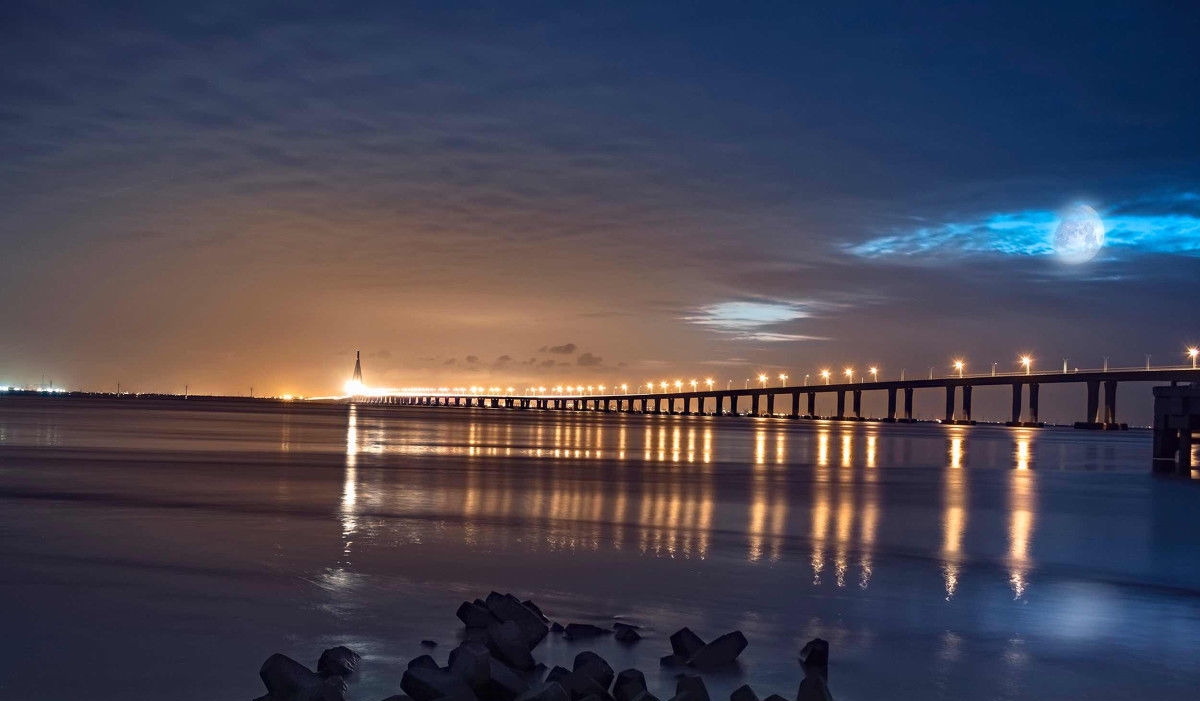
<point>1079,236</point>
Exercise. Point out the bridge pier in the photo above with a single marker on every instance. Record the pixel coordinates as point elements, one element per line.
<point>687,406</point>
<point>949,405</point>
<point>1033,404</point>
<point>1176,420</point>
<point>857,401</point>
<point>812,405</point>
<point>967,404</point>
<point>770,405</point>
<point>1098,418</point>
<point>841,405</point>
<point>891,404</point>
<point>795,406</point>
<point>908,402</point>
<point>754,405</point>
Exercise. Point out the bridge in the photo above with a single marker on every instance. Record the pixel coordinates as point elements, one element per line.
<point>799,401</point>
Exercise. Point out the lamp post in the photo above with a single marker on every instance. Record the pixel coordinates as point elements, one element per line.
<point>782,379</point>
<point>1193,353</point>
<point>762,379</point>
<point>825,374</point>
<point>1027,362</point>
<point>874,373</point>
<point>959,365</point>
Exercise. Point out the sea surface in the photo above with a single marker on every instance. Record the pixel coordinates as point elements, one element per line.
<point>164,548</point>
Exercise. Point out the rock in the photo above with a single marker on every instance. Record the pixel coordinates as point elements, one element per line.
<point>671,661</point>
<point>813,688</point>
<point>288,680</point>
<point>398,697</point>
<point>338,661</point>
<point>546,691</point>
<point>507,607</point>
<point>629,683</point>
<point>474,614</point>
<point>775,697</point>
<point>424,661</point>
<point>579,685</point>
<point>627,635</point>
<point>645,696</point>
<point>556,627</point>
<point>507,642</point>
<point>471,663</point>
<point>424,684</point>
<point>593,665</point>
<point>557,674</point>
<point>690,687</point>
<point>720,652</point>
<point>581,631</point>
<point>592,697</point>
<point>537,674</point>
<point>685,643</point>
<point>428,643</point>
<point>743,693</point>
<point>503,682</point>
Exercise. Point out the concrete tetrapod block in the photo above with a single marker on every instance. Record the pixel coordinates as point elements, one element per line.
<point>685,643</point>
<point>595,666</point>
<point>720,652</point>
<point>508,643</point>
<point>424,684</point>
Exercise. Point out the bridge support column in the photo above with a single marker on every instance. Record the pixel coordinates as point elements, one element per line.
<point>908,393</point>
<point>1110,403</point>
<point>967,404</point>
<point>891,412</point>
<point>841,404</point>
<point>949,404</point>
<point>687,405</point>
<point>1016,404</point>
<point>770,405</point>
<point>795,406</point>
<point>658,405</point>
<point>812,405</point>
<point>857,404</point>
<point>1033,403</point>
<point>1093,405</point>
<point>754,405</point>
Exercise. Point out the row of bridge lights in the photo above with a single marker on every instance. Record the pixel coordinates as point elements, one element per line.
<point>1025,361</point>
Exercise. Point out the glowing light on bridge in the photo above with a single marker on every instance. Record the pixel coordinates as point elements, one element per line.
<point>958,366</point>
<point>709,382</point>
<point>1027,363</point>
<point>874,373</point>
<point>763,380</point>
<point>1193,353</point>
<point>825,374</point>
<point>849,373</point>
<point>783,379</point>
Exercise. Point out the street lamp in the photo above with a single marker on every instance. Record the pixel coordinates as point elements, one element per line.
<point>1193,353</point>
<point>959,365</point>
<point>624,388</point>
<point>805,380</point>
<point>678,385</point>
<point>825,374</point>
<point>709,381</point>
<point>650,386</point>
<point>763,380</point>
<point>693,383</point>
<point>874,373</point>
<point>1027,362</point>
<point>782,380</point>
<point>849,373</point>
<point>663,385</point>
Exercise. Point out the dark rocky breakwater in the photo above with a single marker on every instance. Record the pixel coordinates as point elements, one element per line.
<point>495,662</point>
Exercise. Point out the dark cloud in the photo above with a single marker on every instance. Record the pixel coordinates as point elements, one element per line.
<point>564,349</point>
<point>547,363</point>
<point>472,359</point>
<point>588,360</point>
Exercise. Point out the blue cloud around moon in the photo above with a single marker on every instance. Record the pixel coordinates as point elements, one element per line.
<point>1167,224</point>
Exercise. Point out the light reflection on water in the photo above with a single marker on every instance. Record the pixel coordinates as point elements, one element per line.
<point>673,514</point>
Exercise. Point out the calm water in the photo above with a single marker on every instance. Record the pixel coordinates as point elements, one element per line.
<point>163,550</point>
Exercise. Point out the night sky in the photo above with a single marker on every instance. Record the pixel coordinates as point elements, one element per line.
<point>515,193</point>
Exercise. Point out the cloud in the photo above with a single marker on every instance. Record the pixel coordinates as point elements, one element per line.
<point>564,349</point>
<point>1161,224</point>
<point>588,360</point>
<point>756,320</point>
<point>472,359</point>
<point>449,361</point>
<point>547,363</point>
